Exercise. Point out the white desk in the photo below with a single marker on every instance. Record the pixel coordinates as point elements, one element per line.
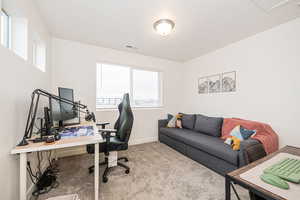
<point>63,143</point>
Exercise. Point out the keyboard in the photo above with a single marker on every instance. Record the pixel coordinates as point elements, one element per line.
<point>287,169</point>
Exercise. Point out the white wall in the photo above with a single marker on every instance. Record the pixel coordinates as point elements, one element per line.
<point>74,66</point>
<point>18,78</point>
<point>268,87</point>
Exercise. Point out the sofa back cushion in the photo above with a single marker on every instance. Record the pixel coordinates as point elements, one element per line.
<point>208,125</point>
<point>188,121</point>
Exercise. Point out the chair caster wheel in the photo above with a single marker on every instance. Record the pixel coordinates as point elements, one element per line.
<point>127,171</point>
<point>91,171</point>
<point>105,179</point>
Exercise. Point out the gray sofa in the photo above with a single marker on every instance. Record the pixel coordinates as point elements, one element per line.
<point>199,139</point>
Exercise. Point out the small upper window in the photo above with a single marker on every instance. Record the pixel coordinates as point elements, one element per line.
<point>5,29</point>
<point>19,36</point>
<point>14,33</point>
<point>39,55</point>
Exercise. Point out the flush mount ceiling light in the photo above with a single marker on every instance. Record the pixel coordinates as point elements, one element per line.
<point>164,26</point>
<point>128,46</point>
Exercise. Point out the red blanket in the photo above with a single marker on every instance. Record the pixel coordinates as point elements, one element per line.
<point>264,133</point>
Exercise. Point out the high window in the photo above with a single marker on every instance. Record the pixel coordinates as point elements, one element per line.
<point>39,54</point>
<point>14,34</point>
<point>113,81</point>
<point>5,29</point>
<point>19,36</point>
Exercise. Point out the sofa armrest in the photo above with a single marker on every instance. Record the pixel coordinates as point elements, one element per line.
<point>162,123</point>
<point>250,150</point>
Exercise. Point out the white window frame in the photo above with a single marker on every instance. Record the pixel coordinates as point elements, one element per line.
<point>8,30</point>
<point>131,68</point>
<point>36,44</point>
<point>17,44</point>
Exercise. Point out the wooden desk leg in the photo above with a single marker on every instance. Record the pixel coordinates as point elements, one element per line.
<point>96,171</point>
<point>227,188</point>
<point>23,176</point>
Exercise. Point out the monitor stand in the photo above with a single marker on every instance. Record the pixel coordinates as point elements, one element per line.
<point>61,126</point>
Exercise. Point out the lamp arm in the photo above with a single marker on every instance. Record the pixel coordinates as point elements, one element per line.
<point>58,98</point>
<point>35,98</point>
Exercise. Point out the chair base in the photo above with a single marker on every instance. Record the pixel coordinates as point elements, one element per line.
<point>108,169</point>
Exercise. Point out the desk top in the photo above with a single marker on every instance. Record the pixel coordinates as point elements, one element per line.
<point>236,173</point>
<point>62,143</point>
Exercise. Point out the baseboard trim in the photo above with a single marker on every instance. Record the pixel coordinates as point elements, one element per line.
<point>82,150</point>
<point>143,140</point>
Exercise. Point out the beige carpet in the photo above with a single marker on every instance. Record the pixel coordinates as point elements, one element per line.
<point>157,173</point>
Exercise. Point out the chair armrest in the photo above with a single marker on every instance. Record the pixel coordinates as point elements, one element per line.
<point>103,125</point>
<point>252,144</point>
<point>107,134</point>
<point>107,130</point>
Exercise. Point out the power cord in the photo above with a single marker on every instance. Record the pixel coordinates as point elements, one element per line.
<point>45,181</point>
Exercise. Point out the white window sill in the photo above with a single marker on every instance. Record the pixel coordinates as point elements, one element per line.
<point>133,108</point>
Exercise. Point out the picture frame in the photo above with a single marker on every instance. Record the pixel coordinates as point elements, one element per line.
<point>214,83</point>
<point>229,81</point>
<point>202,85</point>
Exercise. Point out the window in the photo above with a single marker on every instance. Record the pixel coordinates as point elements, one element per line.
<point>146,88</point>
<point>5,29</point>
<point>39,55</point>
<point>19,36</point>
<point>14,34</point>
<point>113,81</point>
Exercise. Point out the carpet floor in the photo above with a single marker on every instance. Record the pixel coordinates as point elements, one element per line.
<point>157,173</point>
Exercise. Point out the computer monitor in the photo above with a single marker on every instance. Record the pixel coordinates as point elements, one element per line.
<point>55,110</point>
<point>61,111</point>
<point>68,111</point>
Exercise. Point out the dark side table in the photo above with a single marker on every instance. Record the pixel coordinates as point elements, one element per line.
<point>234,176</point>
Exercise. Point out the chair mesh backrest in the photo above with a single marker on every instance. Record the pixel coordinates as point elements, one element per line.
<point>125,120</point>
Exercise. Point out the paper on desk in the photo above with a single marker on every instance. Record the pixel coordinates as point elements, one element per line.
<point>253,176</point>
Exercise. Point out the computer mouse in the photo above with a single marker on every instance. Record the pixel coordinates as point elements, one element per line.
<point>275,181</point>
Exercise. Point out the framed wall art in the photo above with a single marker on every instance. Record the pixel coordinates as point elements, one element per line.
<point>202,85</point>
<point>214,83</point>
<point>229,81</point>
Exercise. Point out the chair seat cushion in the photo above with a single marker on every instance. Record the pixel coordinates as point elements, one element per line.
<point>115,145</point>
<point>209,144</point>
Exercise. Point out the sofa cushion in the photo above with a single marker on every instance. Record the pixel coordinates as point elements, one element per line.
<point>209,125</point>
<point>209,144</point>
<point>188,121</point>
<point>176,133</point>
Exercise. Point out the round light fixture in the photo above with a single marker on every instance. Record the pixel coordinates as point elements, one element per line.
<point>164,26</point>
<point>130,46</point>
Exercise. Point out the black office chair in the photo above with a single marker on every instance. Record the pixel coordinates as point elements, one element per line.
<point>119,142</point>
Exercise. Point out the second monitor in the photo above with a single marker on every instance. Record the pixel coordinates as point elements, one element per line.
<point>62,111</point>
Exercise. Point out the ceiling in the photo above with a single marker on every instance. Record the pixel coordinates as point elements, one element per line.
<point>201,25</point>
